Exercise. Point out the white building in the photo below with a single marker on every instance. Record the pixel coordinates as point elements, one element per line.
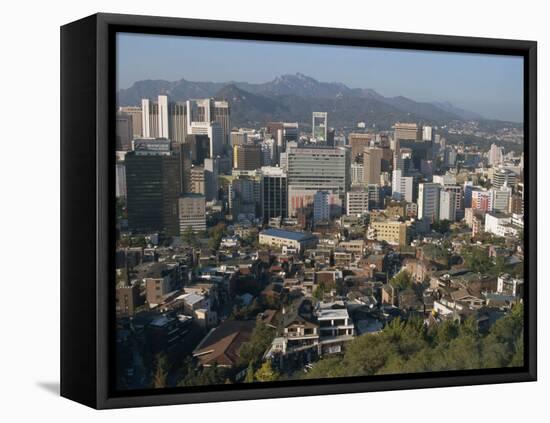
<point>402,186</point>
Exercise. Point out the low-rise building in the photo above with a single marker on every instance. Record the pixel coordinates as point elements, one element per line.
<point>280,238</point>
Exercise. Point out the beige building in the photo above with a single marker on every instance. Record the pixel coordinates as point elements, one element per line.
<point>372,165</point>
<point>392,231</point>
<point>192,212</point>
<point>358,142</point>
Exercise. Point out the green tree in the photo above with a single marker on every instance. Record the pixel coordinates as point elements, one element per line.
<point>252,352</point>
<point>266,373</point>
<point>403,280</point>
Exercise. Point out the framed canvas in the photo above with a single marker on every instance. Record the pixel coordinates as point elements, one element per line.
<point>257,211</point>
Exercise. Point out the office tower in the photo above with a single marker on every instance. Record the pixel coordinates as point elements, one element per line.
<point>450,156</point>
<point>124,131</point>
<point>503,176</point>
<point>402,187</point>
<point>358,142</point>
<point>407,131</point>
<point>247,157</point>
<point>270,156</point>
<point>243,195</point>
<point>459,201</point>
<point>120,176</point>
<point>357,177</point>
<point>428,201</point>
<point>330,137</point>
<point>135,113</point>
<point>447,205</point>
<point>177,122</point>
<point>192,212</point>
<point>315,169</point>
<point>150,118</point>
<point>427,133</point>
<point>273,193</point>
<point>496,155</point>
<point>468,189</point>
<point>361,200</point>
<point>153,187</point>
<point>199,146</point>
<point>197,180</point>
<point>291,132</point>
<point>221,115</point>
<point>372,162</point>
<point>211,179</point>
<point>402,160</point>
<point>238,138</point>
<point>482,201</point>
<point>319,126</point>
<point>321,206</point>
<point>202,112</point>
<point>214,132</point>
<point>163,129</point>
<point>501,199</point>
<point>184,152</point>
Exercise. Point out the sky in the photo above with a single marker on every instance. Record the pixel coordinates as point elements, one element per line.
<point>491,85</point>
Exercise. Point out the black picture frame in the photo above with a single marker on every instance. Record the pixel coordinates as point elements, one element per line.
<point>87,212</point>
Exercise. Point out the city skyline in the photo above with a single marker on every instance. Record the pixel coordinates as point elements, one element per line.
<point>490,85</point>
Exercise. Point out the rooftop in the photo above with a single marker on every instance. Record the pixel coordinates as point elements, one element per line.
<point>282,233</point>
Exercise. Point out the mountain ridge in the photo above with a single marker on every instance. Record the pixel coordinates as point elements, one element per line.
<point>294,96</point>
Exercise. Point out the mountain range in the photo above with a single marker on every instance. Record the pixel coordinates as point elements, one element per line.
<point>294,97</point>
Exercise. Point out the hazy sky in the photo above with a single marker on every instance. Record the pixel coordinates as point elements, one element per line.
<point>491,85</point>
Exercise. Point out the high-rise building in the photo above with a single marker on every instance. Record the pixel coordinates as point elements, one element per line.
<point>319,126</point>
<point>428,201</point>
<point>163,129</point>
<point>357,177</point>
<point>199,146</point>
<point>177,122</point>
<point>192,212</point>
<point>211,172</point>
<point>274,193</point>
<point>150,118</point>
<point>247,157</point>
<point>501,199</point>
<point>482,200</point>
<point>407,131</point>
<point>238,138</point>
<point>402,186</point>
<point>153,183</point>
<point>503,176</point>
<point>135,113</point>
<point>221,115</point>
<point>197,180</point>
<point>360,201</point>
<point>124,131</point>
<point>316,169</point>
<point>447,205</point>
<point>321,206</point>
<point>331,133</point>
<point>372,162</point>
<point>358,142</point>
<point>120,190</point>
<point>202,112</point>
<point>214,132</point>
<point>496,155</point>
<point>427,133</point>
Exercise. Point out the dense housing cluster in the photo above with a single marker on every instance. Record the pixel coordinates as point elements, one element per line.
<point>258,254</point>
